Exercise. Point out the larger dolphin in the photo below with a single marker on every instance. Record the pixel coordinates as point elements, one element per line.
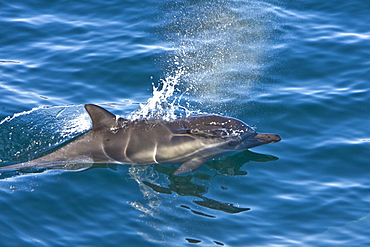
<point>190,141</point>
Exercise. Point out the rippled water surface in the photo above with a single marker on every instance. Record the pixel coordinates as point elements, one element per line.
<point>300,69</point>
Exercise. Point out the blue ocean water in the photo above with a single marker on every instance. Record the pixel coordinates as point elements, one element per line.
<point>299,69</point>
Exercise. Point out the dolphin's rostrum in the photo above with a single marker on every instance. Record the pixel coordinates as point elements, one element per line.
<point>190,141</point>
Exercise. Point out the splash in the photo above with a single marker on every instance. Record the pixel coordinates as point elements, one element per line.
<point>164,103</point>
<point>31,132</point>
<point>153,201</point>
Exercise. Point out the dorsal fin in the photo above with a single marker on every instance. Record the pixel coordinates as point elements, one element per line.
<point>100,117</point>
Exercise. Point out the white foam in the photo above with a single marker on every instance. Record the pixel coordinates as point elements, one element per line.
<point>162,104</point>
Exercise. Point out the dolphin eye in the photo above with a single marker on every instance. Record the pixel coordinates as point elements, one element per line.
<point>206,133</point>
<point>194,131</point>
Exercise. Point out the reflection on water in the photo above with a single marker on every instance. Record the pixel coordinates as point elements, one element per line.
<point>186,186</point>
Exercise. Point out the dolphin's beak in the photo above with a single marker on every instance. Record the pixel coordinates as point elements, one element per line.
<point>258,139</point>
<point>267,138</point>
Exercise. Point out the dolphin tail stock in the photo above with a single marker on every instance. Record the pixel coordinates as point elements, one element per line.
<point>50,161</point>
<point>32,166</point>
<point>28,165</point>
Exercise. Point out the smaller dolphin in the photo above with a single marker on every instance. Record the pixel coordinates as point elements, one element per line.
<point>189,140</point>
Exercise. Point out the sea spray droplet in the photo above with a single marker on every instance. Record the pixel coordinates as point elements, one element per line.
<point>163,104</point>
<point>221,47</point>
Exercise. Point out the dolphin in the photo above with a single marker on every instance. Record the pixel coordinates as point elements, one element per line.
<point>190,141</point>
